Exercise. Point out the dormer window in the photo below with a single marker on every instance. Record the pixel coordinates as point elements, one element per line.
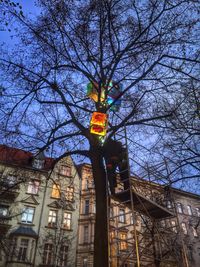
<point>38,160</point>
<point>65,170</point>
<point>38,163</point>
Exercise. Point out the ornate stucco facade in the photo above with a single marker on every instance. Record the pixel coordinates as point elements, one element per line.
<point>179,235</point>
<point>39,209</point>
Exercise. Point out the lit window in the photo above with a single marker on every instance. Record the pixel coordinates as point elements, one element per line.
<point>56,191</point>
<point>122,215</point>
<point>189,210</point>
<point>87,206</point>
<point>194,230</point>
<point>67,220</point>
<point>27,215</point>
<point>112,235</point>
<point>22,255</point>
<point>48,254</point>
<point>63,256</point>
<point>197,211</point>
<point>3,211</point>
<point>33,187</point>
<point>52,219</point>
<point>85,262</point>
<point>85,234</point>
<point>174,228</point>
<point>179,208</point>
<point>123,242</point>
<point>184,228</point>
<point>70,193</point>
<point>65,170</point>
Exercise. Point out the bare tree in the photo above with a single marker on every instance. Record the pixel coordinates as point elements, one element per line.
<point>149,47</point>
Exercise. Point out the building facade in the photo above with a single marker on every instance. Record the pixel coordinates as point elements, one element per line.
<point>39,210</point>
<point>171,241</point>
<point>47,218</point>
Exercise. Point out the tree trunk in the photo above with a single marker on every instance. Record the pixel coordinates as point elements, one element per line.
<point>101,225</point>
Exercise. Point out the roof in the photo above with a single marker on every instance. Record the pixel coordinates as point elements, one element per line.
<point>24,231</point>
<point>140,180</point>
<point>21,157</point>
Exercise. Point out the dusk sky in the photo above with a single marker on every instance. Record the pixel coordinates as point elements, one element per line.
<point>29,9</point>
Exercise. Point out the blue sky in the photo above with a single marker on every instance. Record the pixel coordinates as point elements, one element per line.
<point>29,9</point>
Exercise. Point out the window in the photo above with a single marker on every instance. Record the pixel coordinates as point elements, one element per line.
<point>112,235</point>
<point>27,215</point>
<point>123,242</point>
<point>11,180</point>
<point>197,211</point>
<point>13,245</point>
<point>48,254</point>
<point>38,163</point>
<point>70,193</point>
<point>194,230</point>
<point>184,228</point>
<point>33,187</point>
<point>91,185</point>
<point>55,191</point>
<point>86,184</point>
<point>67,220</point>
<point>179,208</point>
<point>52,219</point>
<point>190,253</point>
<point>163,223</point>
<point>65,170</point>
<point>87,206</point>
<point>3,211</point>
<point>85,262</point>
<point>169,204</point>
<point>63,256</point>
<point>94,207</point>
<point>85,234</point>
<point>132,220</point>
<point>122,215</point>
<point>174,228</point>
<point>22,255</point>
<point>189,210</point>
<point>111,212</point>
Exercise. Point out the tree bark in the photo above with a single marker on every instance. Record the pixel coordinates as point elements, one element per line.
<point>101,225</point>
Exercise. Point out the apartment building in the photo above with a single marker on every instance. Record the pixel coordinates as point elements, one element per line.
<point>39,210</point>
<point>167,237</point>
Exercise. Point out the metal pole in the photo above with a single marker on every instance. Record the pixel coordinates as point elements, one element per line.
<point>132,204</point>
